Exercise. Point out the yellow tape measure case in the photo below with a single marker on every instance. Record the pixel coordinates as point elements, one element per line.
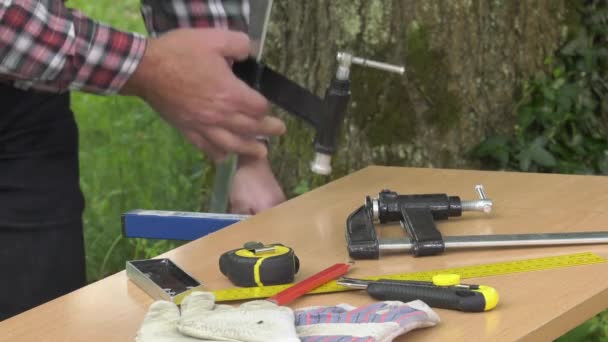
<point>260,265</point>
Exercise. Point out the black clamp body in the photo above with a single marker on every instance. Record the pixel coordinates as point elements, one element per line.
<point>416,213</point>
<point>325,115</point>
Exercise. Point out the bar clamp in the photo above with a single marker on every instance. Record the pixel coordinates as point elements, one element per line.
<point>417,215</point>
<point>326,114</point>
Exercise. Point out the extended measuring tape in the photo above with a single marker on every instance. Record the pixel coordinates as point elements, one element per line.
<point>475,271</point>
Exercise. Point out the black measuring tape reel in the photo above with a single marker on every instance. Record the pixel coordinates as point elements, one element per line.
<point>257,264</point>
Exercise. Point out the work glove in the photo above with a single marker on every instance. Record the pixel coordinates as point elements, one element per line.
<point>202,320</point>
<point>378,322</point>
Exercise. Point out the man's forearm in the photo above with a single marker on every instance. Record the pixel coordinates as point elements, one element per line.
<point>48,47</point>
<point>45,46</point>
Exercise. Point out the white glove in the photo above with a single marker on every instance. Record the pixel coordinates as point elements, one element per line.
<point>160,324</point>
<point>378,322</point>
<point>202,320</point>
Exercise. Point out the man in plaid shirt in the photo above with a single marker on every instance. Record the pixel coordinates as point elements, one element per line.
<point>183,72</point>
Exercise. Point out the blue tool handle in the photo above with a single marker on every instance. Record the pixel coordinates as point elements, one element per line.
<point>448,297</point>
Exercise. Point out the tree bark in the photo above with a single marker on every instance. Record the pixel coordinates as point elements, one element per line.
<point>466,61</point>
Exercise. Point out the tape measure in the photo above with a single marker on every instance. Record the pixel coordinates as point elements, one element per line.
<point>257,264</point>
<point>475,271</point>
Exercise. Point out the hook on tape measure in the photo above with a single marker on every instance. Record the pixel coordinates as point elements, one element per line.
<point>257,264</point>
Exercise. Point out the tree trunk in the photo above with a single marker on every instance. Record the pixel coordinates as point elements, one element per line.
<point>465,61</point>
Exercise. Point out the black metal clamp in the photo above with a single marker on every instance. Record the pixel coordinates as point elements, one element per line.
<point>325,115</point>
<point>417,215</point>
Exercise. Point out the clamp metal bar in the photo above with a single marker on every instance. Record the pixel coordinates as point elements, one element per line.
<point>503,240</point>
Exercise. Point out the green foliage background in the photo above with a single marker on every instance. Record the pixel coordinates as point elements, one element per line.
<point>562,120</point>
<point>131,159</point>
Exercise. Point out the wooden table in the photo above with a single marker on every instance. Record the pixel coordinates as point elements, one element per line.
<point>534,306</point>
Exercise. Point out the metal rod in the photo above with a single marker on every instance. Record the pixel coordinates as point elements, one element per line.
<point>480,191</point>
<point>506,240</point>
<point>484,205</point>
<point>353,283</point>
<point>379,65</point>
<point>263,250</point>
<point>225,170</point>
<point>222,184</point>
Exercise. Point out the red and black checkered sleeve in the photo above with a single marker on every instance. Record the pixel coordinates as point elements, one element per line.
<point>46,46</point>
<point>163,15</point>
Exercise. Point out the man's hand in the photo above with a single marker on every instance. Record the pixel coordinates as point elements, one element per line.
<point>186,76</point>
<point>254,187</point>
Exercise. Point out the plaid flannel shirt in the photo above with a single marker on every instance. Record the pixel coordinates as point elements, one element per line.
<point>46,46</point>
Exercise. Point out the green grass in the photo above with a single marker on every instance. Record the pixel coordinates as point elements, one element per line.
<point>121,14</point>
<point>129,159</point>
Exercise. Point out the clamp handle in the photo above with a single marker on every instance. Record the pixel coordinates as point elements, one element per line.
<point>324,114</point>
<point>345,60</point>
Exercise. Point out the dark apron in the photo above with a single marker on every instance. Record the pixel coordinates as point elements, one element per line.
<point>41,205</point>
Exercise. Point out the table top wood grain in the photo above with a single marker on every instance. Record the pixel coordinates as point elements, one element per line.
<point>534,306</point>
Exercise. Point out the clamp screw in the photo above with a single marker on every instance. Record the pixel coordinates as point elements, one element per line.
<point>345,60</point>
<point>483,204</point>
<point>480,191</point>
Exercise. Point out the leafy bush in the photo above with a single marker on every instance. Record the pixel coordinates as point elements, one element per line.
<point>562,116</point>
<point>562,121</point>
